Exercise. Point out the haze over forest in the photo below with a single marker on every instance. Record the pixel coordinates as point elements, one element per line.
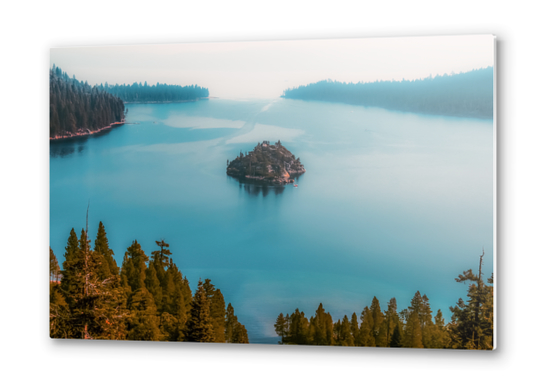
<point>266,69</point>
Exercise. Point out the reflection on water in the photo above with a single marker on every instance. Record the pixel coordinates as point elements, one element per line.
<point>66,149</point>
<point>264,190</point>
<point>68,146</point>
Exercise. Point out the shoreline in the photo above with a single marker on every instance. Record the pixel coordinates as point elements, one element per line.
<point>170,101</point>
<point>82,132</point>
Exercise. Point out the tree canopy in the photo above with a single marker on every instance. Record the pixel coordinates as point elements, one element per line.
<point>77,108</point>
<point>468,94</point>
<point>146,299</point>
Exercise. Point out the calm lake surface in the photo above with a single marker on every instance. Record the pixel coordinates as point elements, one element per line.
<point>391,202</point>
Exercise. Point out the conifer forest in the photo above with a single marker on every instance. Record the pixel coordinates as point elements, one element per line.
<point>468,94</point>
<point>148,298</point>
<point>77,108</point>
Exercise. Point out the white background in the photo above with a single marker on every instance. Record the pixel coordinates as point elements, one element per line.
<point>29,29</point>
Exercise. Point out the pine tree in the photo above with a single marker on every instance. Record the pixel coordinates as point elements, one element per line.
<point>95,305</point>
<point>439,333</point>
<point>426,322</point>
<point>101,246</point>
<point>199,327</point>
<point>161,259</point>
<point>235,332</point>
<point>395,341</point>
<point>354,328</point>
<point>344,333</point>
<point>54,269</point>
<point>153,286</point>
<point>321,326</point>
<point>366,334</point>
<point>378,318</point>
<point>391,320</point>
<point>136,277</point>
<point>472,322</point>
<point>413,332</point>
<point>143,324</point>
<point>280,327</point>
<point>299,329</point>
<point>59,314</point>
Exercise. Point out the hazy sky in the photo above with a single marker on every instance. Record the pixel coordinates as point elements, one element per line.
<point>265,69</point>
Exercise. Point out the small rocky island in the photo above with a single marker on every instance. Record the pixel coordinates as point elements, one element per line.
<point>266,164</point>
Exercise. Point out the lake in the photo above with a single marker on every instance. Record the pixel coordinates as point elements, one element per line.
<point>391,202</point>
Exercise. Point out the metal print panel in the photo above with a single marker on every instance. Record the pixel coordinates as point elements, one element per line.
<point>316,192</point>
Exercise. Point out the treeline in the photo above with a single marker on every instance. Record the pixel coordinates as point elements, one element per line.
<point>467,94</point>
<point>145,299</point>
<point>471,325</point>
<point>142,93</point>
<point>76,108</point>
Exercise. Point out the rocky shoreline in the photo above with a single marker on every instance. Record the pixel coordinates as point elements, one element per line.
<point>81,132</point>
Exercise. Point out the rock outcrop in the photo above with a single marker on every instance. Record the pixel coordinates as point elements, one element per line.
<point>266,164</point>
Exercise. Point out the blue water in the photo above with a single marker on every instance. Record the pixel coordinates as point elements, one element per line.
<point>391,202</point>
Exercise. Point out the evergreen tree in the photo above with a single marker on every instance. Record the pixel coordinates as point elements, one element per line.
<point>280,327</point>
<point>344,334</point>
<point>95,306</point>
<point>366,329</point>
<point>153,286</point>
<point>439,337</point>
<point>321,327</point>
<point>54,269</point>
<point>472,322</point>
<point>235,332</point>
<point>299,329</point>
<point>391,320</point>
<point>395,341</point>
<point>160,259</point>
<point>378,318</point>
<point>354,328</point>
<point>101,246</point>
<point>199,327</point>
<point>59,314</point>
<point>136,276</point>
<point>169,328</point>
<point>143,324</point>
<point>413,332</point>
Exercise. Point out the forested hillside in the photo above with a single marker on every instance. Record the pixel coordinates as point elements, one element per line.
<point>76,108</point>
<point>467,94</point>
<point>142,93</point>
<point>145,299</point>
<point>471,326</point>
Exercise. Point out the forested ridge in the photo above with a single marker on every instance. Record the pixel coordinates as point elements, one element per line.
<point>76,108</point>
<point>144,93</point>
<point>468,94</point>
<point>471,325</point>
<point>145,299</point>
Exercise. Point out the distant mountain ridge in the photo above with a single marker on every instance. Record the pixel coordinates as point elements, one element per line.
<point>468,94</point>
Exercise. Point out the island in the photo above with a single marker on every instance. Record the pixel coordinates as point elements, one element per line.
<point>267,164</point>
